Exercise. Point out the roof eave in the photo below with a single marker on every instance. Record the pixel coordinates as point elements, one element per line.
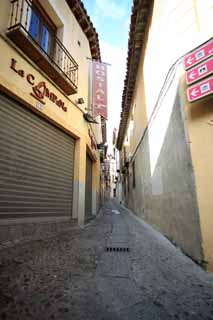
<point>141,12</point>
<point>80,13</point>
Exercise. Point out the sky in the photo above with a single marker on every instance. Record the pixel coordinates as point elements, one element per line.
<point>111,19</point>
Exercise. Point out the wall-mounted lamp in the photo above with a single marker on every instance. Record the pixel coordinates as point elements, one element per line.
<point>89,118</point>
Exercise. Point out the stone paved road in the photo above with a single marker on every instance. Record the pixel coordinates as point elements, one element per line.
<point>72,276</point>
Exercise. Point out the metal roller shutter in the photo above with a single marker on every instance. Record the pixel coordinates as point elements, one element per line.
<point>36,165</point>
<point>88,191</point>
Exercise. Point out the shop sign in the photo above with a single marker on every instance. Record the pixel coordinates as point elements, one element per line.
<point>99,89</point>
<point>199,72</point>
<point>203,52</point>
<point>200,90</point>
<point>40,91</point>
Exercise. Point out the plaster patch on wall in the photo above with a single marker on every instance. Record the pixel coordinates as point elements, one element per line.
<point>160,119</point>
<point>157,185</point>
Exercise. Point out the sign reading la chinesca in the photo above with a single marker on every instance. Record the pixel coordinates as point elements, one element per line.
<point>39,90</point>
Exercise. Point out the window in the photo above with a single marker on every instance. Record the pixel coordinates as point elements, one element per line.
<point>33,31</point>
<point>42,29</point>
<point>133,175</point>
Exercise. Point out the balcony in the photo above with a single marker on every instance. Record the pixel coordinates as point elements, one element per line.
<point>32,33</point>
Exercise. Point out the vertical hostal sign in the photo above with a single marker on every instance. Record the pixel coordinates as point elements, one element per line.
<point>99,89</point>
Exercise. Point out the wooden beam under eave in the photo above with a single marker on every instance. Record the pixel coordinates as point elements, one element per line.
<point>84,25</point>
<point>93,47</point>
<point>87,29</point>
<point>81,19</point>
<point>89,32</point>
<point>92,38</point>
<point>75,7</point>
<point>92,42</point>
<point>71,3</point>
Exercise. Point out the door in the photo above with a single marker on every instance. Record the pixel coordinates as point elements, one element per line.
<point>36,165</point>
<point>88,189</point>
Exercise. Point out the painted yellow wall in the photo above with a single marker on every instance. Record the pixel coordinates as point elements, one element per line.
<point>138,121</point>
<point>5,7</point>
<point>185,24</point>
<point>199,119</point>
<point>70,33</point>
<point>177,27</point>
<point>72,121</point>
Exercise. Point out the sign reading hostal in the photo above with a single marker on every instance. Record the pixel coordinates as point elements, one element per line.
<point>200,90</point>
<point>198,55</point>
<point>99,89</point>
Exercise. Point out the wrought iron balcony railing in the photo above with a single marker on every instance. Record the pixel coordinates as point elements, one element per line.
<point>32,34</point>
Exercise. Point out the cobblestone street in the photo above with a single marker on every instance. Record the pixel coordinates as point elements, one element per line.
<point>76,275</point>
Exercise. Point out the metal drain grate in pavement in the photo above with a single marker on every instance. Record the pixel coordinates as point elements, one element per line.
<point>117,249</point>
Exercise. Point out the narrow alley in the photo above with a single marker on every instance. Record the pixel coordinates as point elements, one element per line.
<point>106,198</point>
<point>79,274</point>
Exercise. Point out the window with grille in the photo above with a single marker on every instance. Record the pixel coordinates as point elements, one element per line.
<point>42,29</point>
